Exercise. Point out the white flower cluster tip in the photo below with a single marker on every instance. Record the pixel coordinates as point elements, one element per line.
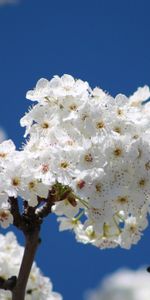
<point>97,146</point>
<point>38,287</point>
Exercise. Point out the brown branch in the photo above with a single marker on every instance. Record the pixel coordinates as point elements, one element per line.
<point>54,196</point>
<point>45,209</point>
<point>29,222</point>
<point>14,209</point>
<point>32,242</point>
<point>28,210</point>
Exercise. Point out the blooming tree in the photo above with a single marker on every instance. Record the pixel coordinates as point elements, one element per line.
<point>122,285</point>
<point>86,159</point>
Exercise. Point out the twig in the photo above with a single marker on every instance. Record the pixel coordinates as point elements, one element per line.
<point>46,209</point>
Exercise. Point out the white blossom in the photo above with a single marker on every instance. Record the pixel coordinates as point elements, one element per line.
<point>94,146</point>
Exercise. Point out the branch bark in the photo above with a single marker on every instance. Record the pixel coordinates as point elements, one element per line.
<point>14,209</point>
<point>32,242</point>
<point>29,222</point>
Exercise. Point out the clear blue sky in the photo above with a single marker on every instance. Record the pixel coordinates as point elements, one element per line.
<point>104,42</point>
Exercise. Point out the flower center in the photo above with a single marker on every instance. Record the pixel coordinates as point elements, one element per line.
<point>118,152</point>
<point>88,157</point>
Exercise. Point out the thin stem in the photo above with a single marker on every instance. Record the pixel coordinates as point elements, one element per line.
<point>32,241</point>
<point>79,215</point>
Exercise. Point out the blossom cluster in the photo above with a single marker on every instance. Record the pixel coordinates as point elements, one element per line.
<point>123,284</point>
<point>93,148</point>
<point>38,287</point>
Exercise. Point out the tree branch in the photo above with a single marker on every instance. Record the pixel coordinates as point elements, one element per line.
<point>14,209</point>
<point>29,223</point>
<point>46,209</point>
<point>32,242</point>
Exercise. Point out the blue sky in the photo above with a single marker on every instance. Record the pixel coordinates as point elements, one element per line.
<point>104,42</point>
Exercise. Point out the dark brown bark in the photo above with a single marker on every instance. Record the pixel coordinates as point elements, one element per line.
<point>29,222</point>
<point>32,241</point>
<point>14,209</point>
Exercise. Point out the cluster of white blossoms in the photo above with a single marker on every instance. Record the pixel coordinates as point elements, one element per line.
<point>38,287</point>
<point>94,145</point>
<point>122,285</point>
